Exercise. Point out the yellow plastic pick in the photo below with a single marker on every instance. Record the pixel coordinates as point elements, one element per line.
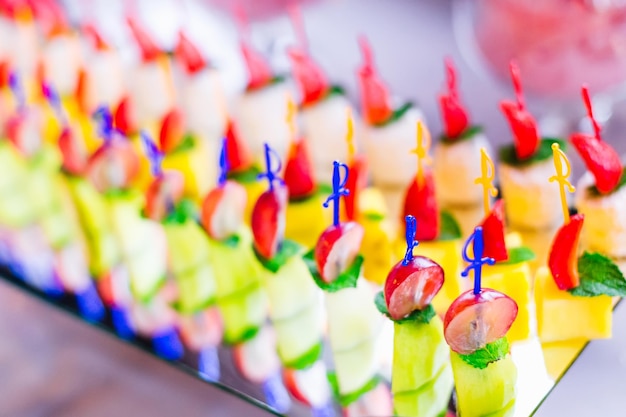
<point>423,145</point>
<point>221,99</point>
<point>487,176</point>
<point>165,64</point>
<point>560,160</point>
<point>292,111</point>
<point>350,136</point>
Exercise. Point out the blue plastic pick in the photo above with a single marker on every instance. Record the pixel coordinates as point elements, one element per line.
<point>55,101</point>
<point>223,175</point>
<point>105,122</point>
<point>411,243</point>
<point>155,156</point>
<point>271,171</point>
<point>338,189</point>
<point>477,263</point>
<point>17,89</point>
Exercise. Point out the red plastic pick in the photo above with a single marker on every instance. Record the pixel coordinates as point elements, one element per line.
<point>310,78</point>
<point>259,71</point>
<point>188,55</point>
<point>455,118</point>
<point>149,50</point>
<point>95,36</point>
<point>375,100</point>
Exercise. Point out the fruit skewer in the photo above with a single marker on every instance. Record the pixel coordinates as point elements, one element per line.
<point>191,274</point>
<point>296,311</point>
<point>475,328</point>
<point>354,324</point>
<point>421,376</point>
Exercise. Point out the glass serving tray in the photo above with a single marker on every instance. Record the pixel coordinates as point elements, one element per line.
<point>533,387</point>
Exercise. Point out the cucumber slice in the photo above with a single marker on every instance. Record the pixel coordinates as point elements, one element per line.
<point>196,289</point>
<point>430,400</point>
<point>103,253</point>
<point>188,245</point>
<point>290,288</point>
<point>91,206</point>
<point>243,314</point>
<point>357,366</point>
<point>16,209</point>
<point>298,335</point>
<point>13,168</point>
<point>132,230</point>
<point>484,392</point>
<point>58,228</point>
<point>235,267</point>
<point>419,353</point>
<point>42,189</point>
<point>148,268</point>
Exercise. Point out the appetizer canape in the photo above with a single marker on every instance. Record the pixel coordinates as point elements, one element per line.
<point>188,262</point>
<point>524,166</point>
<point>354,324</point>
<point>421,377</point>
<point>390,132</point>
<point>475,328</point>
<point>457,154</point>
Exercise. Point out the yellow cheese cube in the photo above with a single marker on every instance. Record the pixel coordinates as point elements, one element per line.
<point>513,280</point>
<point>559,355</point>
<point>562,316</point>
<point>307,219</point>
<point>253,189</point>
<point>377,245</point>
<point>197,166</point>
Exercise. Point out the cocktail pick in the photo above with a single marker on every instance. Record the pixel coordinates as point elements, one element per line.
<point>411,243</point>
<point>53,98</point>
<point>421,151</point>
<point>488,174</point>
<point>104,118</point>
<point>273,167</point>
<point>223,168</point>
<point>155,156</point>
<point>15,84</point>
<point>563,170</point>
<point>338,189</point>
<point>476,263</point>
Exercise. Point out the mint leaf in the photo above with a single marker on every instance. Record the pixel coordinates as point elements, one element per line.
<point>274,80</point>
<point>183,211</point>
<point>518,255</point>
<point>375,217</point>
<point>347,279</point>
<point>468,133</point>
<point>396,115</point>
<point>493,352</point>
<point>188,142</point>
<point>231,241</point>
<point>347,399</point>
<point>599,276</point>
<point>449,229</point>
<point>418,316</point>
<point>508,156</point>
<point>288,249</point>
<point>246,176</point>
<point>593,190</point>
<point>324,188</point>
<point>307,359</point>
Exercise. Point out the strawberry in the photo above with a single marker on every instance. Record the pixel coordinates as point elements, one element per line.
<point>563,258</point>
<point>455,119</point>
<point>188,55</point>
<point>494,230</point>
<point>268,221</point>
<point>223,210</point>
<point>172,131</point>
<point>259,71</point>
<point>237,153</point>
<point>376,103</point>
<point>298,176</point>
<point>149,50</point>
<point>524,127</point>
<point>420,202</point>
<point>73,152</point>
<point>357,180</point>
<point>310,78</point>
<point>601,159</point>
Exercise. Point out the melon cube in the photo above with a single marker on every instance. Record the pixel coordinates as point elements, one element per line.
<point>196,165</point>
<point>377,245</point>
<point>430,400</point>
<point>306,220</point>
<point>562,316</point>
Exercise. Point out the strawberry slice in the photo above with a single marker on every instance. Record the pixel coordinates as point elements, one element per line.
<point>337,248</point>
<point>164,191</point>
<point>259,71</point>
<point>375,100</point>
<point>95,36</point>
<point>73,152</point>
<point>309,386</point>
<point>149,50</point>
<point>124,118</point>
<point>455,118</point>
<point>524,127</point>
<point>475,320</point>
<point>412,287</point>
<point>22,130</point>
<point>420,202</point>
<point>298,176</point>
<point>172,130</point>
<point>601,159</point>
<point>114,165</point>
<point>223,210</point>
<point>357,180</point>
<point>188,55</point>
<point>268,221</point>
<point>563,258</point>
<point>237,152</point>
<point>310,78</point>
<point>494,233</point>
